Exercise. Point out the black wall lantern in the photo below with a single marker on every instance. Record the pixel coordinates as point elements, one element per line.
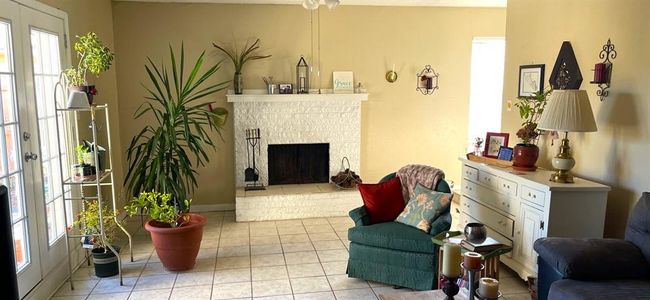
<point>302,76</point>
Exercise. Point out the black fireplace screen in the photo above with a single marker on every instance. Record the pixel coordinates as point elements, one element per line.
<point>299,163</point>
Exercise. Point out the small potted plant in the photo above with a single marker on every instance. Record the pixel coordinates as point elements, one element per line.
<point>239,58</point>
<point>175,233</point>
<point>88,222</point>
<point>526,153</point>
<point>85,159</point>
<point>94,57</point>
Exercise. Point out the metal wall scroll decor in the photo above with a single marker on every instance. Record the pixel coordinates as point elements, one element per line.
<point>603,70</point>
<point>566,72</point>
<point>427,81</point>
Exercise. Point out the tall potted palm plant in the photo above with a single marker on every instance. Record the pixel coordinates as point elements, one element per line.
<point>164,155</point>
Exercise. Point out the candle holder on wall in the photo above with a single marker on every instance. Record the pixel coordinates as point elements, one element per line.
<point>427,81</point>
<point>603,70</point>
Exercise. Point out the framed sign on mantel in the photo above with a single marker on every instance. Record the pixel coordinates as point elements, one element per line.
<point>343,82</point>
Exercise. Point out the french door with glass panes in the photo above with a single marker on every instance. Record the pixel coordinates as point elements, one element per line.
<point>32,54</point>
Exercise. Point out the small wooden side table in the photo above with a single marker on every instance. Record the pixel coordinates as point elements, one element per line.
<point>490,259</point>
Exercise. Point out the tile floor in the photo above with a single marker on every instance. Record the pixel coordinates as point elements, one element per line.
<point>292,259</point>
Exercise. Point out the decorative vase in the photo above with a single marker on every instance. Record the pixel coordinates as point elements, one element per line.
<point>105,262</point>
<point>90,91</point>
<point>475,233</point>
<point>524,157</point>
<point>177,247</point>
<point>238,83</point>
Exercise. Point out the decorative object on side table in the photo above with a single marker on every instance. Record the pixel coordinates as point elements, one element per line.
<point>252,174</point>
<point>95,58</point>
<point>531,80</point>
<point>427,81</point>
<point>343,82</point>
<point>239,59</point>
<point>475,232</point>
<point>169,176</point>
<point>567,111</point>
<point>566,72</point>
<point>451,270</point>
<point>488,289</point>
<point>302,76</point>
<point>603,70</point>
<point>526,153</point>
<point>493,141</point>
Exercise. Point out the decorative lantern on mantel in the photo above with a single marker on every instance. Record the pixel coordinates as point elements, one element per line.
<point>302,76</point>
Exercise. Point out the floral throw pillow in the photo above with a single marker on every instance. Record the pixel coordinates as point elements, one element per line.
<point>424,207</point>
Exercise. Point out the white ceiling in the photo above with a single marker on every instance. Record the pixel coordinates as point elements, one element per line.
<point>446,3</point>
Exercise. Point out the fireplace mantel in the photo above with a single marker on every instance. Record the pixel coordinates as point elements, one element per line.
<point>261,96</point>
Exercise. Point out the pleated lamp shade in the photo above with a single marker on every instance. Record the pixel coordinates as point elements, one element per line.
<point>568,111</point>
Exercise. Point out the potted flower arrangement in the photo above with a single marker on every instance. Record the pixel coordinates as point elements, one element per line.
<point>85,159</point>
<point>164,155</point>
<point>239,58</point>
<point>89,223</point>
<point>526,153</point>
<point>94,57</point>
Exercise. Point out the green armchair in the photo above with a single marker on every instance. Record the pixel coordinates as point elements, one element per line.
<point>394,253</point>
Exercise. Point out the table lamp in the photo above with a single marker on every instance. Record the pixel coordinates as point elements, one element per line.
<point>567,111</point>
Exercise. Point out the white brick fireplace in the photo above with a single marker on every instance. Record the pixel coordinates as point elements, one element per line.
<point>296,119</point>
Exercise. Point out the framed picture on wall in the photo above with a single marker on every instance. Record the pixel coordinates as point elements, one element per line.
<point>493,142</point>
<point>531,80</point>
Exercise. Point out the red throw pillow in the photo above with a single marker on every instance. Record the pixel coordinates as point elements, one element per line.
<point>383,201</point>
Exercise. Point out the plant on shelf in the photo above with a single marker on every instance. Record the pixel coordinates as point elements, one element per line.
<point>88,222</point>
<point>239,59</point>
<point>530,110</point>
<point>85,163</point>
<point>164,155</point>
<point>93,57</point>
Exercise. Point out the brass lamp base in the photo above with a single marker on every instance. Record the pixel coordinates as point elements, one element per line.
<point>563,163</point>
<point>562,176</point>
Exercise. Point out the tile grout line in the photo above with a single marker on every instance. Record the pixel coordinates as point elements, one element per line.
<point>320,262</point>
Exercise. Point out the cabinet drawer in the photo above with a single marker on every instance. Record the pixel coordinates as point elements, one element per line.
<point>533,195</point>
<point>488,179</point>
<point>488,216</point>
<point>487,196</point>
<point>508,187</point>
<point>470,173</point>
<point>503,240</point>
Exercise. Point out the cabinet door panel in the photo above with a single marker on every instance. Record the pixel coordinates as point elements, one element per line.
<point>529,228</point>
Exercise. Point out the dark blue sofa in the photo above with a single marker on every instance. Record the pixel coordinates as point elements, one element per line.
<point>598,268</point>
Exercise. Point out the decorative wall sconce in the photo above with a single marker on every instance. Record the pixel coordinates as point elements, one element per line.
<point>391,76</point>
<point>427,81</point>
<point>603,70</point>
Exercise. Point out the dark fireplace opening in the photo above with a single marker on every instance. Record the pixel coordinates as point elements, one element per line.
<point>299,163</point>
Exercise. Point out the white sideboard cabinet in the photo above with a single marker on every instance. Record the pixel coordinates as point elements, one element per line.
<point>520,207</point>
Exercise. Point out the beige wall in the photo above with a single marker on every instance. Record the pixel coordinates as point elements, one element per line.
<point>617,154</point>
<point>96,16</point>
<point>399,126</point>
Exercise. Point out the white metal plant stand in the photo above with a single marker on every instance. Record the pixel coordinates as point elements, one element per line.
<point>103,178</point>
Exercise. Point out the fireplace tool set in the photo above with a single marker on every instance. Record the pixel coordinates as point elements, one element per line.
<point>252,174</point>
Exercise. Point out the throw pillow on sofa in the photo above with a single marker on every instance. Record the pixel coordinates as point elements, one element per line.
<point>424,207</point>
<point>383,201</point>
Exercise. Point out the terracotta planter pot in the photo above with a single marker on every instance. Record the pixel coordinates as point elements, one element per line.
<point>524,157</point>
<point>177,247</point>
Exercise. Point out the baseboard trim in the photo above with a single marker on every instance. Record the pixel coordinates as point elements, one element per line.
<point>212,207</point>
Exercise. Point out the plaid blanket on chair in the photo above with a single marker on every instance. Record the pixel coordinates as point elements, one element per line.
<point>411,175</point>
